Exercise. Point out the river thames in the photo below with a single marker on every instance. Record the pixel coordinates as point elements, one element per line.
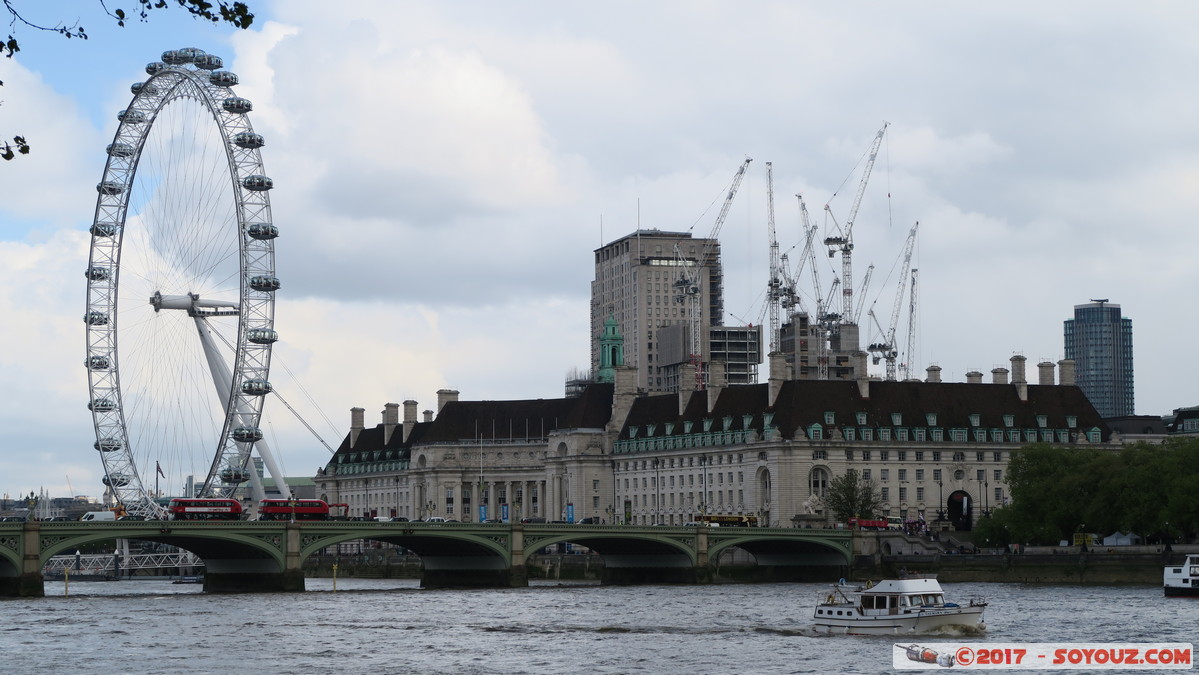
<point>393,626</point>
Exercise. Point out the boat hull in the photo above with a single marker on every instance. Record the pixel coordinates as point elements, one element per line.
<point>1182,591</point>
<point>965,618</point>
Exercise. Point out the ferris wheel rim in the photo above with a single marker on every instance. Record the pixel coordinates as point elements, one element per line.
<point>183,74</point>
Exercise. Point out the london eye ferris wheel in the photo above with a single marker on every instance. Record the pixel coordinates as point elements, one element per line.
<point>181,291</point>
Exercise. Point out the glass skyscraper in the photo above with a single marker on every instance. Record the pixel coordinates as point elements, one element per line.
<point>1100,342</point>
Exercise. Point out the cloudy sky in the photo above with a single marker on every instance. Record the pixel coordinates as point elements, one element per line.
<point>444,171</point>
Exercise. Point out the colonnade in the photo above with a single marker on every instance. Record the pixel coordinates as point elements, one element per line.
<point>460,499</point>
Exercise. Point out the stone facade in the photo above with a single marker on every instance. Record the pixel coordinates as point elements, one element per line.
<point>935,449</point>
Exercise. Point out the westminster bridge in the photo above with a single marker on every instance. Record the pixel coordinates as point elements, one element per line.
<point>265,556</point>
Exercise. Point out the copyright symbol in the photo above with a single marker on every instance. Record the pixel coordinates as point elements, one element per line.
<point>964,656</point>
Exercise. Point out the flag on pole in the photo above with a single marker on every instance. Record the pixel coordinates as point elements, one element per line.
<point>159,467</point>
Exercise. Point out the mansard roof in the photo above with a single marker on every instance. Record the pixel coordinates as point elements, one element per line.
<point>803,403</point>
<point>487,420</point>
<point>515,420</point>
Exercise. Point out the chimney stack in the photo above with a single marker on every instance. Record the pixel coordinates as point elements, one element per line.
<point>428,416</point>
<point>1018,369</point>
<point>1045,372</point>
<point>934,373</point>
<point>778,374</point>
<point>1066,368</point>
<point>974,377</point>
<point>445,396</point>
<point>391,420</point>
<point>999,375</point>
<point>717,381</point>
<point>862,375</point>
<point>409,418</point>
<point>357,423</point>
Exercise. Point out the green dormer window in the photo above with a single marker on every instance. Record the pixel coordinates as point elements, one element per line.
<point>1071,421</point>
<point>974,420</point>
<point>816,432</point>
<point>687,424</point>
<point>896,419</point>
<point>1042,421</point>
<point>1009,421</point>
<point>632,432</point>
<point>861,418</point>
<point>930,419</point>
<point>707,424</point>
<point>830,418</point>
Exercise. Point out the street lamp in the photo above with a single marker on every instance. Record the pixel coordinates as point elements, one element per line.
<point>986,504</point>
<point>940,500</point>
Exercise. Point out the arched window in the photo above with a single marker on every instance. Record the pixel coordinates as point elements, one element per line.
<point>819,481</point>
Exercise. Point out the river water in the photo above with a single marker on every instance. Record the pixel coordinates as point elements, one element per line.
<point>393,626</point>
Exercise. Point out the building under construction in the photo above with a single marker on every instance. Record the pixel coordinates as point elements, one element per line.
<point>637,284</point>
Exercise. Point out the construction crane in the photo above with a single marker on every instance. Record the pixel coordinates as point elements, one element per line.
<point>687,287</point>
<point>774,285</point>
<point>857,312</point>
<point>843,242</point>
<point>909,353</point>
<point>887,349</point>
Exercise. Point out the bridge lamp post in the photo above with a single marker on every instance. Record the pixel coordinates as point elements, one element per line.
<point>941,500</point>
<point>292,502</point>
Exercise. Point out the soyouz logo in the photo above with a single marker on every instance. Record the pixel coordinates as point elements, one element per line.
<point>1043,655</point>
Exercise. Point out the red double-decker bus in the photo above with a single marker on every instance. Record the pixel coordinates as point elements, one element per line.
<point>182,508</point>
<point>293,509</point>
<point>866,524</point>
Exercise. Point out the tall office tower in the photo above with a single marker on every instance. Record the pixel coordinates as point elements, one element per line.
<point>1100,342</point>
<point>635,284</point>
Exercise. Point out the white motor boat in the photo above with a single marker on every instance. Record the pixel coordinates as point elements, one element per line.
<point>1182,580</point>
<point>909,605</point>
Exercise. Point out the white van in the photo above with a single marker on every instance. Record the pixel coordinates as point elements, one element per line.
<point>99,515</point>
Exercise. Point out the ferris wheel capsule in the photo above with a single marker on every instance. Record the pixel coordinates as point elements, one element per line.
<point>257,183</point>
<point>190,54</point>
<point>95,273</point>
<point>262,336</point>
<point>223,78</point>
<point>115,480</point>
<point>256,387</point>
<point>132,116</point>
<point>98,363</point>
<point>265,283</point>
<point>209,62</point>
<point>247,434</point>
<point>101,405</point>
<point>119,150</point>
<point>248,140</point>
<point>234,475</point>
<point>143,87</point>
<point>110,188</point>
<point>155,67</point>
<point>237,105</point>
<point>96,318</point>
<point>108,444</point>
<point>262,231</point>
<point>103,228</point>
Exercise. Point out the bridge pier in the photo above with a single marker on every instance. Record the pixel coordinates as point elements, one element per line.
<point>627,576</point>
<point>28,583</point>
<point>288,581</point>
<point>516,576</point>
<point>258,575</point>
